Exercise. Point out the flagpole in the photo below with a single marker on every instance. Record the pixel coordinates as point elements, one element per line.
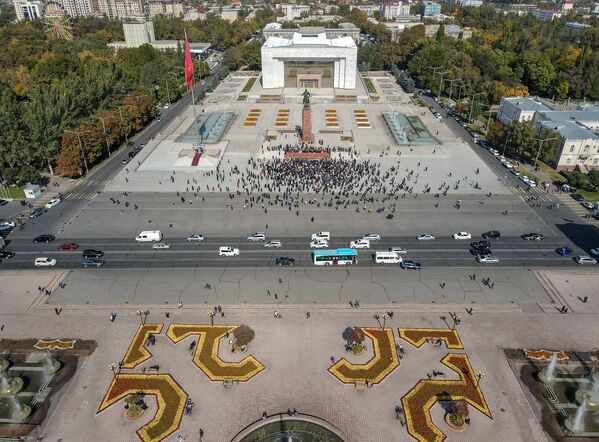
<point>193,99</point>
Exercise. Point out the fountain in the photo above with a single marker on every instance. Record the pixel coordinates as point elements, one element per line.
<point>4,364</point>
<point>10,386</point>
<point>51,365</point>
<point>20,412</point>
<point>575,423</point>
<point>547,375</point>
<point>587,396</point>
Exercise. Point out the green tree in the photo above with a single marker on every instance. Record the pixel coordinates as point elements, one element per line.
<point>593,177</point>
<point>577,179</point>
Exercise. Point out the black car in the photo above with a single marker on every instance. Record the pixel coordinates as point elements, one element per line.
<point>6,254</point>
<point>37,212</point>
<point>411,265</point>
<point>44,238</point>
<point>532,237</point>
<point>284,261</point>
<point>3,202</point>
<point>480,251</point>
<point>492,234</point>
<point>480,245</point>
<point>577,197</point>
<point>91,253</point>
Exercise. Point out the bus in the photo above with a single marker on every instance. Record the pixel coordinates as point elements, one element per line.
<point>328,257</point>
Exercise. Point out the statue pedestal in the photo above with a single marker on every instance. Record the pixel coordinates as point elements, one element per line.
<point>307,136</point>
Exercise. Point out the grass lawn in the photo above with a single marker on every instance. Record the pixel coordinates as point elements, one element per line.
<point>524,171</point>
<point>13,192</point>
<point>369,86</point>
<point>589,195</point>
<point>249,84</point>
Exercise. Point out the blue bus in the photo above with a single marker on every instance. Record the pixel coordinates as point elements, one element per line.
<point>335,257</point>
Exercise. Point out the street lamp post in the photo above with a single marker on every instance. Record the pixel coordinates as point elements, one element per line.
<point>472,106</point>
<point>211,314</point>
<point>479,376</point>
<point>385,316</point>
<point>441,83</point>
<point>105,134</point>
<point>460,89</point>
<point>81,146</point>
<point>542,140</point>
<point>113,369</point>
<point>140,313</point>
<point>168,95</point>
<point>123,123</point>
<point>505,145</point>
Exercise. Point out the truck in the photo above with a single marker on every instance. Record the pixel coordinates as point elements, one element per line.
<point>149,236</point>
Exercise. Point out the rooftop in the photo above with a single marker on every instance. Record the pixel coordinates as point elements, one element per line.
<point>571,130</point>
<point>585,114</point>
<point>319,39</point>
<point>529,103</point>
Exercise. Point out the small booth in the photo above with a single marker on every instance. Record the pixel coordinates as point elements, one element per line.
<point>32,191</point>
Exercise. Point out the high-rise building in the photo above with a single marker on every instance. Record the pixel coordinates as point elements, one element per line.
<point>429,9</point>
<point>75,8</point>
<point>122,9</point>
<point>170,8</point>
<point>30,10</point>
<point>391,9</point>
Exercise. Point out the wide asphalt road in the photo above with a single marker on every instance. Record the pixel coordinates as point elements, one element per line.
<point>442,252</point>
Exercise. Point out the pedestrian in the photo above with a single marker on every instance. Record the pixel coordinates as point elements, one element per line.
<point>201,434</point>
<point>222,314</point>
<point>276,314</point>
<point>264,415</point>
<point>308,314</point>
<point>333,359</point>
<point>276,296</point>
<point>180,304</point>
<point>112,317</point>
<point>56,310</point>
<point>492,285</point>
<point>168,315</point>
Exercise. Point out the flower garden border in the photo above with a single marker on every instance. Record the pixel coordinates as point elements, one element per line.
<point>137,351</point>
<point>418,336</point>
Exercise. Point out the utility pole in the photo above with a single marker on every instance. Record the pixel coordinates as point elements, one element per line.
<point>542,140</point>
<point>105,133</point>
<point>441,83</point>
<point>504,146</point>
<point>81,146</point>
<point>168,96</point>
<point>451,85</point>
<point>460,89</point>
<point>122,123</point>
<point>435,70</point>
<point>472,105</point>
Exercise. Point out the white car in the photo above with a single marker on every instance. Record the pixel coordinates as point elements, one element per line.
<point>321,236</point>
<point>228,251</point>
<point>359,244</point>
<point>44,262</point>
<point>256,236</point>
<point>462,235</point>
<point>494,152</point>
<point>7,225</point>
<point>487,259</point>
<point>273,244</point>
<point>53,202</point>
<point>585,260</point>
<point>398,250</point>
<point>508,165</point>
<point>372,237</point>
<point>319,244</point>
<point>195,237</point>
<point>161,245</point>
<point>426,237</point>
<point>515,172</point>
<point>595,251</point>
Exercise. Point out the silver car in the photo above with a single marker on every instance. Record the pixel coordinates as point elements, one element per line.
<point>585,260</point>
<point>272,244</point>
<point>487,259</point>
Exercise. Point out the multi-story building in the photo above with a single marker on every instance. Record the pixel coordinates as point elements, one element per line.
<point>292,10</point>
<point>75,8</point>
<point>368,9</point>
<point>566,5</point>
<point>453,31</point>
<point>169,8</point>
<point>391,9</point>
<point>472,3</point>
<point>429,9</point>
<point>578,129</point>
<point>344,29</point>
<point>30,10</point>
<point>546,14</point>
<point>121,9</point>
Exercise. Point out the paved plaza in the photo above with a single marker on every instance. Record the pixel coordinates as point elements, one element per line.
<point>296,353</point>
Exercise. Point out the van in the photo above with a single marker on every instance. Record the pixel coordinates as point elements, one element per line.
<point>149,235</point>
<point>387,258</point>
<point>321,236</point>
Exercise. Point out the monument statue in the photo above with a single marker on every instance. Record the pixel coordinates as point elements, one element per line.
<point>306,95</point>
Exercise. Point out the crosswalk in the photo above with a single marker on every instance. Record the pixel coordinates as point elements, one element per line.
<point>577,208</point>
<point>536,193</point>
<point>79,195</point>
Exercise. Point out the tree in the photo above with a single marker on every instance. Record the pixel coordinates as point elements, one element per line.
<point>243,335</point>
<point>593,177</point>
<point>577,179</point>
<point>70,158</point>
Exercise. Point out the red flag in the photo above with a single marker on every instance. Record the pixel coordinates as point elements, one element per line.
<point>188,65</point>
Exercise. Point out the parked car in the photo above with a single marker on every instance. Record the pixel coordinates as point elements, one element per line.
<point>491,234</point>
<point>487,259</point>
<point>69,246</point>
<point>195,237</point>
<point>585,260</point>
<point>7,225</point>
<point>410,265</point>
<point>44,262</point>
<point>92,262</point>
<point>532,237</point>
<point>587,205</point>
<point>228,251</point>
<point>577,197</point>
<point>37,212</point>
<point>44,238</point>
<point>3,202</point>
<point>564,251</point>
<point>426,237</point>
<point>462,235</point>
<point>272,244</point>
<point>284,261</point>
<point>91,253</point>
<point>53,202</point>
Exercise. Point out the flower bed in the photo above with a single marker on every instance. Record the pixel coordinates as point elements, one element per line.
<point>170,397</point>
<point>426,393</point>
<point>206,353</point>
<point>137,351</point>
<point>385,360</point>
<point>418,336</point>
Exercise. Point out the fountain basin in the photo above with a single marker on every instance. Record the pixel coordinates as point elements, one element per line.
<point>10,387</point>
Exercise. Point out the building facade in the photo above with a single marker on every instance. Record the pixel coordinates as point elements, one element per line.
<point>309,61</point>
<point>169,8</point>
<point>75,8</point>
<point>344,30</point>
<point>429,9</point>
<point>578,129</point>
<point>119,9</point>
<point>391,9</point>
<point>292,10</point>
<point>546,14</point>
<point>28,10</point>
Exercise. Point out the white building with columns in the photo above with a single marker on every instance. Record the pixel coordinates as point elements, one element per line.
<point>309,61</point>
